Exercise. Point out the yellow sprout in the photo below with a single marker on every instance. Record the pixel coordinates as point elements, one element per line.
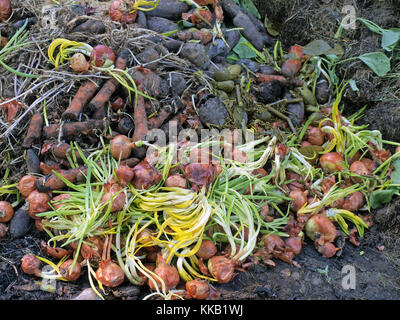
<point>66,47</point>
<point>137,5</point>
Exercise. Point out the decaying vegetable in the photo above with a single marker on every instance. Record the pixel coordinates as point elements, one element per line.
<point>30,265</point>
<point>207,250</point>
<point>322,226</point>
<point>332,162</point>
<point>168,274</point>
<point>6,211</point>
<point>221,268</point>
<point>145,176</point>
<point>198,289</point>
<point>38,202</point>
<point>102,56</point>
<point>26,185</point>
<point>70,271</point>
<point>5,10</point>
<point>79,63</point>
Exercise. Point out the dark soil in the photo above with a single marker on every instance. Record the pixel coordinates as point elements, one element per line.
<point>377,272</point>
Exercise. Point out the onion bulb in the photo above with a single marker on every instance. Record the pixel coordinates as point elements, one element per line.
<point>316,136</point>
<point>327,250</point>
<point>322,225</point>
<point>354,201</point>
<point>176,181</point>
<point>295,244</point>
<point>273,242</point>
<point>124,175</point>
<point>198,289</point>
<point>110,274</point>
<point>79,63</point>
<point>121,147</point>
<point>6,211</point>
<point>5,10</point>
<point>102,56</point>
<point>68,273</point>
<point>38,202</point>
<point>26,185</point>
<point>30,265</point>
<point>332,162</point>
<point>3,230</point>
<point>114,192</point>
<point>299,199</point>
<point>221,268</point>
<point>169,274</point>
<point>207,250</point>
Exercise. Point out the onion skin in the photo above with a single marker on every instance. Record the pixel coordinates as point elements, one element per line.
<point>110,274</point>
<point>39,225</point>
<point>273,242</point>
<point>79,63</point>
<point>145,176</point>
<point>207,250</point>
<point>121,147</point>
<point>3,230</point>
<point>328,183</point>
<point>198,289</point>
<point>320,224</point>
<point>38,202</point>
<point>92,252</point>
<point>5,10</point>
<point>63,196</point>
<point>30,265</point>
<point>316,136</point>
<point>26,185</point>
<point>221,268</point>
<point>124,175</point>
<point>65,270</point>
<point>299,199</point>
<point>169,274</point>
<point>176,181</point>
<point>331,162</point>
<point>102,56</point>
<point>6,211</point>
<point>57,253</point>
<point>295,244</point>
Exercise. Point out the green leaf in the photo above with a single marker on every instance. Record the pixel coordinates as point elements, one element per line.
<point>243,50</point>
<point>390,38</point>
<point>395,175</point>
<point>377,61</point>
<point>380,197</point>
<point>249,6</point>
<point>182,24</point>
<point>316,48</point>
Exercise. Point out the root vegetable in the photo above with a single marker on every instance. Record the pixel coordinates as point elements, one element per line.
<point>295,244</point>
<point>72,129</point>
<point>98,104</point>
<point>79,63</point>
<point>320,225</point>
<point>124,175</point>
<point>293,65</point>
<point>141,125</point>
<point>265,213</point>
<point>39,225</point>
<point>201,16</point>
<point>26,185</point>
<point>354,201</point>
<point>85,92</point>
<point>200,174</point>
<point>47,167</point>
<point>221,268</point>
<point>145,176</point>
<point>316,136</point>
<point>6,211</point>
<point>157,121</point>
<point>30,265</point>
<point>198,289</point>
<point>328,183</point>
<point>34,131</point>
<point>93,249</point>
<point>57,253</point>
<point>114,191</point>
<point>176,181</point>
<point>5,10</point>
<point>207,250</point>
<point>169,274</point>
<point>121,147</point>
<point>53,182</point>
<point>61,197</point>
<point>299,199</point>
<point>117,13</point>
<point>71,274</point>
<point>327,250</point>
<point>38,203</point>
<point>359,168</point>
<point>332,162</point>
<point>369,164</point>
<point>102,56</point>
<point>273,242</point>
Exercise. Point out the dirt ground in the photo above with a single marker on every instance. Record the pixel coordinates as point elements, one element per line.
<point>377,272</point>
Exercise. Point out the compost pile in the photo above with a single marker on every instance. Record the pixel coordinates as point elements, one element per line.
<point>94,89</point>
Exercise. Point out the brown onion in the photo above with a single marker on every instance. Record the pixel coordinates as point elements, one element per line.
<point>56,252</point>
<point>200,14</point>
<point>328,183</point>
<point>39,224</point>
<point>369,164</point>
<point>93,250</point>
<point>6,211</point>
<point>169,274</point>
<point>299,199</point>
<point>114,192</point>
<point>176,181</point>
<point>102,56</point>
<point>295,244</point>
<point>305,144</point>
<point>359,168</point>
<point>332,162</point>
<point>121,147</point>
<point>110,274</point>
<point>38,202</point>
<point>273,242</point>
<point>30,265</point>
<point>221,268</point>
<point>59,198</point>
<point>198,289</point>
<point>68,273</point>
<point>5,10</point>
<point>3,230</point>
<point>316,136</point>
<point>79,63</point>
<point>124,175</point>
<point>207,250</point>
<point>354,201</point>
<point>26,185</point>
<point>322,225</point>
<point>145,176</point>
<point>328,250</point>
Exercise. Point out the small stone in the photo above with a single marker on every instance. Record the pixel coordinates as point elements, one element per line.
<point>213,111</point>
<point>87,294</point>
<point>20,224</point>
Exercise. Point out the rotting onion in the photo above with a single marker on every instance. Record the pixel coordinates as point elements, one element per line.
<point>79,63</point>
<point>354,201</point>
<point>299,199</point>
<point>124,175</point>
<point>102,56</point>
<point>295,244</point>
<point>30,265</point>
<point>6,211</point>
<point>221,268</point>
<point>38,202</point>
<point>332,162</point>
<point>68,273</point>
<point>327,250</point>
<point>316,136</point>
<point>198,289</point>
<point>26,185</point>
<point>121,147</point>
<point>320,225</point>
<point>207,250</point>
<point>168,273</point>
<point>113,192</point>
<point>176,181</point>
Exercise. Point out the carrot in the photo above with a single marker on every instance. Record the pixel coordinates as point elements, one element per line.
<point>63,150</point>
<point>47,167</point>
<point>34,131</point>
<point>141,125</point>
<point>51,182</point>
<point>204,35</point>
<point>286,82</point>
<point>157,121</point>
<point>74,128</point>
<point>86,91</point>
<point>98,104</point>
<point>293,65</point>
<point>90,26</point>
